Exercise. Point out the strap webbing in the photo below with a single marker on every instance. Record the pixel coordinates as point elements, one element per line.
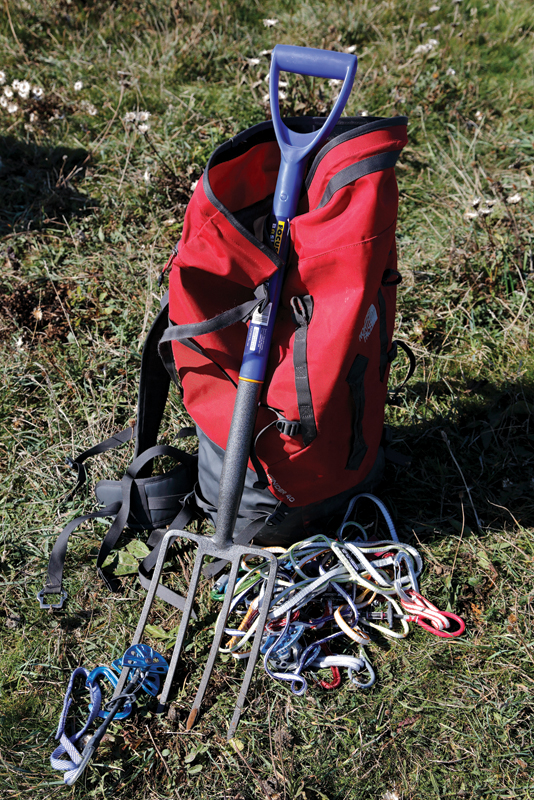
<point>68,744</point>
<point>154,384</point>
<point>185,334</point>
<point>121,511</point>
<point>184,517</point>
<point>302,310</point>
<point>77,463</point>
<point>243,537</point>
<point>355,171</point>
<point>411,368</point>
<point>384,360</point>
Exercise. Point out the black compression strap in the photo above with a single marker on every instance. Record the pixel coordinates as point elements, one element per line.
<point>184,334</point>
<point>355,379</point>
<point>411,369</point>
<point>302,310</point>
<point>366,166</point>
<point>128,478</point>
<point>56,561</point>
<point>384,359</point>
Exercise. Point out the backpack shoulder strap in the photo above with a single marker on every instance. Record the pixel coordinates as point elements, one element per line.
<point>154,384</point>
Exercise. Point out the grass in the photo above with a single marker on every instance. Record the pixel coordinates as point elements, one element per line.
<point>90,209</point>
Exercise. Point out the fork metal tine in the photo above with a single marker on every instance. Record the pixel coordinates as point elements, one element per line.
<point>256,643</point>
<point>219,632</point>
<point>206,546</point>
<point>186,614</point>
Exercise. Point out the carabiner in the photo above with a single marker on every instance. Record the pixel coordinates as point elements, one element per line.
<point>445,634</point>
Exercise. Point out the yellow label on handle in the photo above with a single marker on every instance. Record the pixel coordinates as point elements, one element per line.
<point>278,235</point>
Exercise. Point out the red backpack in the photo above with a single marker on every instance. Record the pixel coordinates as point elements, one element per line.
<point>319,430</point>
<point>320,423</point>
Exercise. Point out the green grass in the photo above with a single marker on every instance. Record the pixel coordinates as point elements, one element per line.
<point>89,211</point>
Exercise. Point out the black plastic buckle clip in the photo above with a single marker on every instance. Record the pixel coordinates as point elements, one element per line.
<point>41,597</point>
<point>288,427</point>
<point>279,514</point>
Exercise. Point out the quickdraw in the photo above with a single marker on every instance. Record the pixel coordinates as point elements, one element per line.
<point>338,582</point>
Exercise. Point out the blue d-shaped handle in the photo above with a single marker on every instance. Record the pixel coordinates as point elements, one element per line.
<point>319,64</point>
<point>311,61</point>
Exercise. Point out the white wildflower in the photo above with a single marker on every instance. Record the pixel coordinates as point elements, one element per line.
<point>422,26</point>
<point>8,92</point>
<point>15,85</point>
<point>471,214</point>
<point>422,48</point>
<point>334,82</point>
<point>266,98</point>
<point>24,90</point>
<point>131,116</point>
<point>513,199</point>
<point>33,117</point>
<point>143,128</point>
<point>143,116</point>
<point>425,48</point>
<point>451,71</point>
<point>476,201</point>
<point>266,52</point>
<point>479,114</point>
<point>270,22</point>
<point>78,86</point>
<point>432,9</point>
<point>19,343</point>
<point>3,102</point>
<point>147,176</point>
<point>194,186</point>
<point>393,795</point>
<point>2,77</point>
<point>485,211</point>
<point>363,114</point>
<point>37,92</point>
<point>89,108</point>
<point>12,108</point>
<point>490,203</point>
<point>436,28</point>
<point>253,61</point>
<point>351,49</point>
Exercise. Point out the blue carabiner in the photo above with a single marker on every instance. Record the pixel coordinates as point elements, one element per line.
<point>113,678</point>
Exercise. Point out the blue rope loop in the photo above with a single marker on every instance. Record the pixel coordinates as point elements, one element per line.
<point>66,756</point>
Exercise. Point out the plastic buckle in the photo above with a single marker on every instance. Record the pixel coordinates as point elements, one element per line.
<point>287,427</point>
<point>279,514</point>
<point>41,595</point>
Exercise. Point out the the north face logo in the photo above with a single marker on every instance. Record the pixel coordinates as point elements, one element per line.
<point>369,323</point>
